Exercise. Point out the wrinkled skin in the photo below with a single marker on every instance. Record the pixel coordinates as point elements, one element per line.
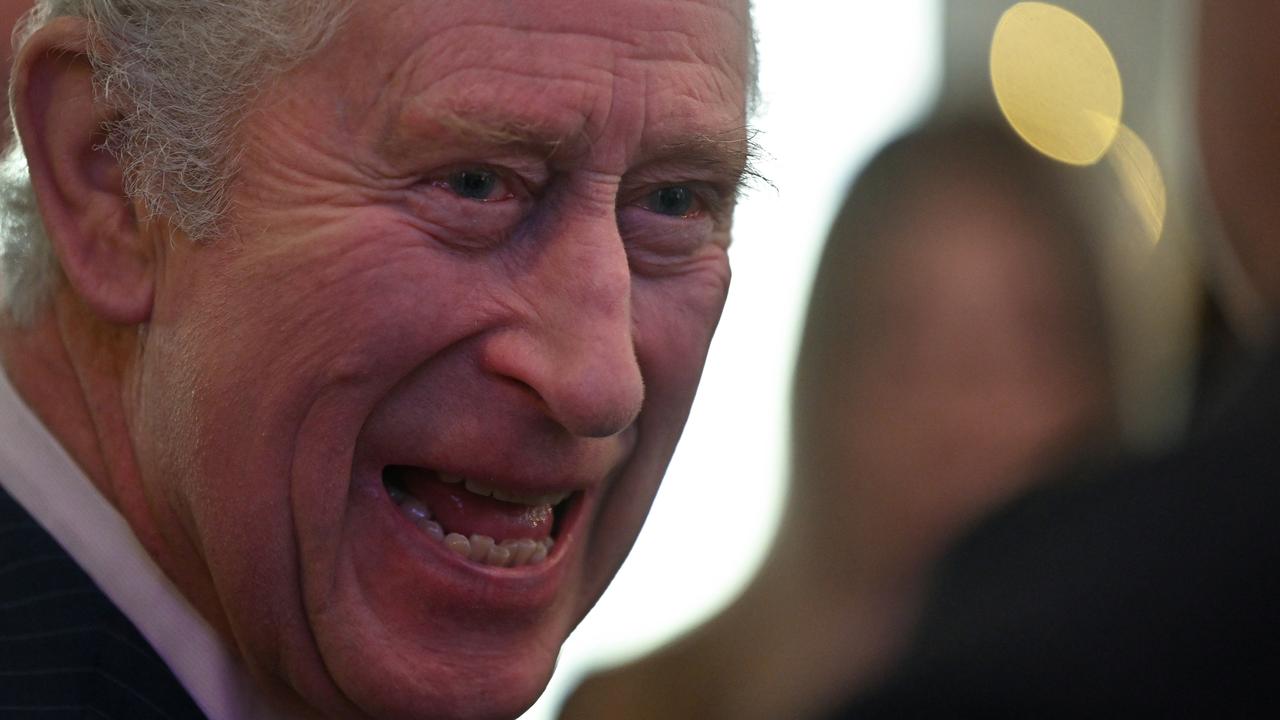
<point>452,248</point>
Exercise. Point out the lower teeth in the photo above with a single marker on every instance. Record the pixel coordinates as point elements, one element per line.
<point>477,548</point>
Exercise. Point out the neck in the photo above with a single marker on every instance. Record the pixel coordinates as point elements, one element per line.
<point>73,371</point>
<point>76,374</point>
<point>835,619</point>
<point>793,645</point>
<point>40,366</point>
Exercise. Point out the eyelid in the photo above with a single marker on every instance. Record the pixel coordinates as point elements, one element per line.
<point>709,200</point>
<point>520,183</point>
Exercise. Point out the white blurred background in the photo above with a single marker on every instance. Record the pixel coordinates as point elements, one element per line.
<point>837,80</point>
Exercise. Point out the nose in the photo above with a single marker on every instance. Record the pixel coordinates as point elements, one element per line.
<point>573,345</point>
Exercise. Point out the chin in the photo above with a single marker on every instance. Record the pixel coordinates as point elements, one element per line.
<point>478,688</point>
<point>406,626</point>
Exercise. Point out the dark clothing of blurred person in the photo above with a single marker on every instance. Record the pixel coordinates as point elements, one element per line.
<point>1150,589</point>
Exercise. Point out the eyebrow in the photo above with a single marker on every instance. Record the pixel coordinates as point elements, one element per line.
<point>731,154</point>
<point>503,133</point>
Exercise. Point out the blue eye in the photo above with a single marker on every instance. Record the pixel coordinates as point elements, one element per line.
<point>473,184</point>
<point>673,201</point>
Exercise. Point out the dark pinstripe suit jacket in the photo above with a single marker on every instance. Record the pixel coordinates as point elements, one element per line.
<point>65,650</point>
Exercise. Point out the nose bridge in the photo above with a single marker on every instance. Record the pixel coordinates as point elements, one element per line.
<point>579,290</point>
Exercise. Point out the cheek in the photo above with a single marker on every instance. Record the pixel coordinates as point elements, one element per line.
<point>675,317</point>
<point>264,362</point>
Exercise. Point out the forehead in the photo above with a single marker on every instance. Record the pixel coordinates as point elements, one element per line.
<point>647,71</point>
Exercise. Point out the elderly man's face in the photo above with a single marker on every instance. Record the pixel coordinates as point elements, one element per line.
<point>475,240</point>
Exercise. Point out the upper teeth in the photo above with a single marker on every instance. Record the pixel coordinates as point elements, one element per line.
<point>505,495</point>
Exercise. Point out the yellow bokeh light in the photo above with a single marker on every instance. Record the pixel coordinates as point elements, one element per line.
<point>1056,82</point>
<point>1140,180</point>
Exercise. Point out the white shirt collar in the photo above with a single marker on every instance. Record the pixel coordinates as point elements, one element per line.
<point>39,474</point>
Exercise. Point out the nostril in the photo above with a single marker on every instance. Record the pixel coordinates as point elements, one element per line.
<point>596,407</point>
<point>530,391</point>
<point>522,386</point>
<point>585,380</point>
<point>583,407</point>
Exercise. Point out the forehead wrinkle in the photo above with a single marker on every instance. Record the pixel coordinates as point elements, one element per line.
<point>688,42</point>
<point>551,41</point>
<point>634,28</point>
<point>499,107</point>
<point>515,114</point>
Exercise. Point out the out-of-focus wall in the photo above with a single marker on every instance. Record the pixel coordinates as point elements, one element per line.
<point>1152,41</point>
<point>1156,295</point>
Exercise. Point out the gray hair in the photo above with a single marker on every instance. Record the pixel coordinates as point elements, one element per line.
<point>178,75</point>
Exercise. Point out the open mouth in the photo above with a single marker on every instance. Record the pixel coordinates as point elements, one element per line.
<point>482,524</point>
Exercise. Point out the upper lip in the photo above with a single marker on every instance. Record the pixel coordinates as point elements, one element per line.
<point>523,497</point>
<point>520,477</point>
<point>524,488</point>
<point>516,463</point>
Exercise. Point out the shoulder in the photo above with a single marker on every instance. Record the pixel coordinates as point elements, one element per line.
<point>1147,585</point>
<point>65,650</point>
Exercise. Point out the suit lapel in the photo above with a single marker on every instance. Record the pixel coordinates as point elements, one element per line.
<point>65,650</point>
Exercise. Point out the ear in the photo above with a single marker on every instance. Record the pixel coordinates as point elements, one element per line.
<point>79,186</point>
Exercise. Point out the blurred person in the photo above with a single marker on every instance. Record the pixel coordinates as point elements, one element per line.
<point>345,344</point>
<point>956,343</point>
<point>1150,589</point>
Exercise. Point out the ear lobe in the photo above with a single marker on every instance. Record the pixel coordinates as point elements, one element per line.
<point>79,186</point>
